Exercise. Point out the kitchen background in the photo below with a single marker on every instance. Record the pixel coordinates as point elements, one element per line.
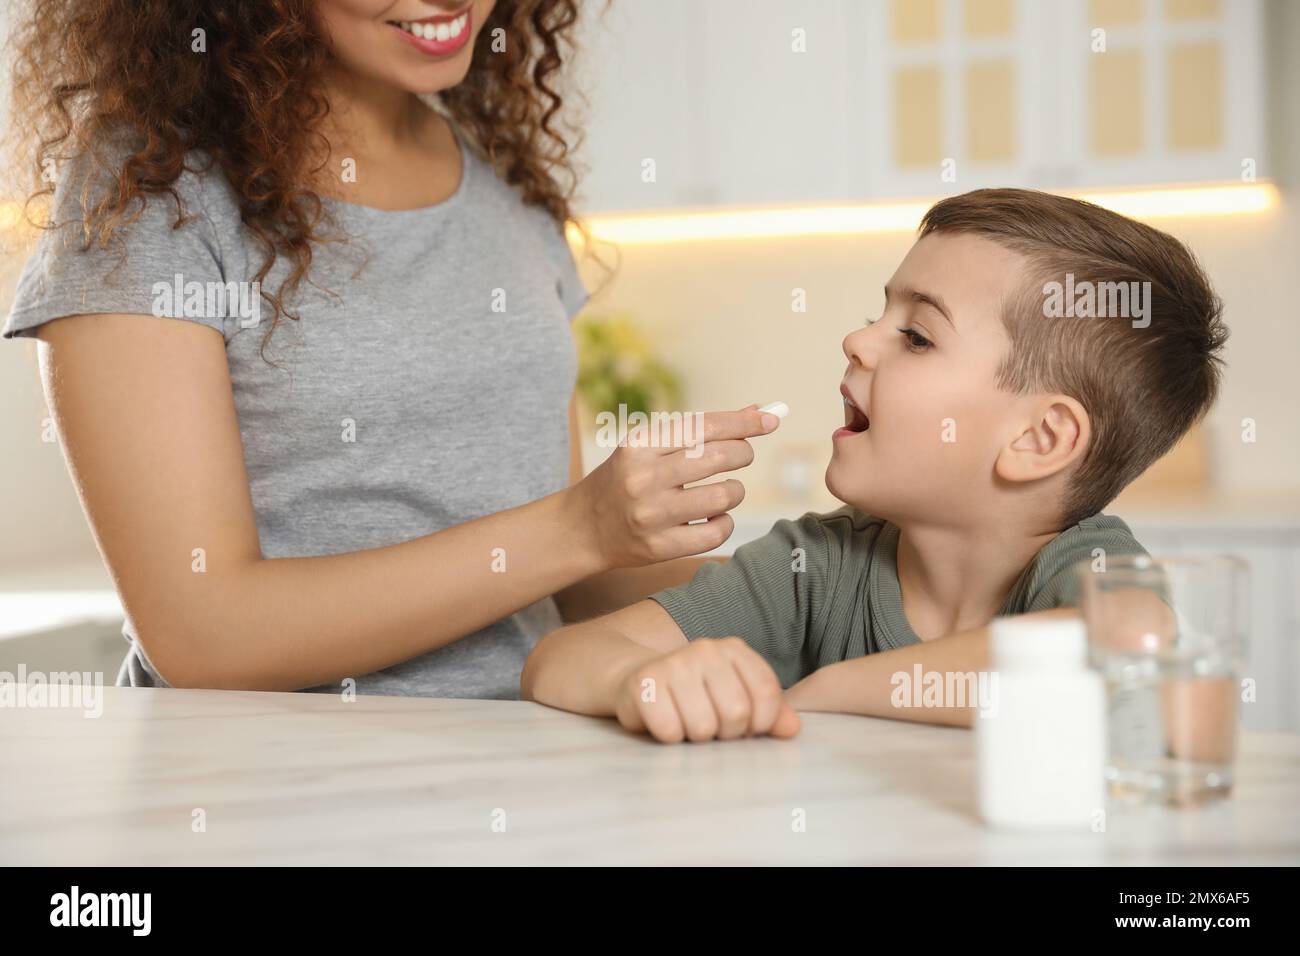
<point>747,157</point>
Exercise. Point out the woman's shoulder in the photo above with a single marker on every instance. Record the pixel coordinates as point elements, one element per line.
<point>114,171</point>
<point>114,243</point>
<point>497,196</point>
<point>504,210</point>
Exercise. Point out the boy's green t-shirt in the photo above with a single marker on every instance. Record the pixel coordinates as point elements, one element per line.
<point>824,588</point>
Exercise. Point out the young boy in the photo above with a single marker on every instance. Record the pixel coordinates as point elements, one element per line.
<point>1035,355</point>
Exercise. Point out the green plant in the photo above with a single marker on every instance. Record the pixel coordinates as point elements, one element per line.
<point>616,366</point>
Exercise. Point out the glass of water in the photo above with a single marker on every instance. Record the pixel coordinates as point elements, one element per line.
<point>1168,635</point>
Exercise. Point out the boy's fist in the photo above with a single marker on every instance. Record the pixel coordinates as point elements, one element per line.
<point>713,688</point>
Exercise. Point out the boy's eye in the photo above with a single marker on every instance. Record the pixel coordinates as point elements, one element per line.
<point>915,340</point>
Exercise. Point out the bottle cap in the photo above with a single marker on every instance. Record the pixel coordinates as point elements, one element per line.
<point>1027,643</point>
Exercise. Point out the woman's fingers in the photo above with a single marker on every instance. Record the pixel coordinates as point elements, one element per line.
<point>692,428</point>
<point>685,467</point>
<point>703,501</point>
<point>688,539</point>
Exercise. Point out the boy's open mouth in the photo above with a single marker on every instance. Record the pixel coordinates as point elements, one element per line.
<point>855,419</point>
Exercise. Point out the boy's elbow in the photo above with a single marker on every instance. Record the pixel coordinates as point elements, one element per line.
<point>188,657</point>
<point>528,676</point>
<point>177,659</point>
<point>197,639</point>
<point>535,666</point>
<point>174,654</point>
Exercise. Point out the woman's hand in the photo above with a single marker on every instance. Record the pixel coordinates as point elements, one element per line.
<point>713,688</point>
<point>634,509</point>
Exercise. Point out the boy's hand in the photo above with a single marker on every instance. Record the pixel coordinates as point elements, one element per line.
<point>714,688</point>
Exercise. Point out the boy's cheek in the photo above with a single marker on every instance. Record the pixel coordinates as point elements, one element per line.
<point>915,464</point>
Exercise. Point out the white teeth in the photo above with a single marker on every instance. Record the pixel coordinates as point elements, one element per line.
<point>442,32</point>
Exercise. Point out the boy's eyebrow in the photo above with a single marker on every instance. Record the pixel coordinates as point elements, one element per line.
<point>929,298</point>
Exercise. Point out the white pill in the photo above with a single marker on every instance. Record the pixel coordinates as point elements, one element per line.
<point>779,409</point>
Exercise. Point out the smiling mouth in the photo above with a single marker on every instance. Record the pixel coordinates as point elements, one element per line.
<point>445,28</point>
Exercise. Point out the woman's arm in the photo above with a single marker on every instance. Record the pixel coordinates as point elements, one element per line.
<point>146,416</point>
<point>611,590</point>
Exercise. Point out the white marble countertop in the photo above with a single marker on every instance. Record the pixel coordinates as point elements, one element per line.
<point>311,779</point>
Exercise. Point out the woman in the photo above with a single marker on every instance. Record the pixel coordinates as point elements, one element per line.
<point>304,338</point>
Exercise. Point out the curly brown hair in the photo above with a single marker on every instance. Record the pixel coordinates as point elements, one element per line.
<point>89,70</point>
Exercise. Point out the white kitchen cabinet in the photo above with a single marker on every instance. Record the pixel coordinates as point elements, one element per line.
<point>737,102</point>
<point>958,94</point>
<point>1063,93</point>
<point>638,67</point>
<point>1178,96</point>
<point>777,103</point>
<point>761,102</point>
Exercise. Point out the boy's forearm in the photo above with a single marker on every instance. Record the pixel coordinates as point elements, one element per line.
<point>579,668</point>
<point>866,685</point>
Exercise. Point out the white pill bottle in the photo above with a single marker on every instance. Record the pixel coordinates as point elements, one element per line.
<point>1040,738</point>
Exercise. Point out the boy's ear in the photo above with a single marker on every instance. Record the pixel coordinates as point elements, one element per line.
<point>1056,435</point>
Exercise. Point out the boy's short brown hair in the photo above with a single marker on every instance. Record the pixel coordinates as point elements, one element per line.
<point>1143,385</point>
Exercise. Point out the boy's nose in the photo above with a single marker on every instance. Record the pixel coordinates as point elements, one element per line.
<point>860,348</point>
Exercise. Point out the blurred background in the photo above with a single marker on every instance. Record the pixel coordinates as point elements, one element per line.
<point>756,171</point>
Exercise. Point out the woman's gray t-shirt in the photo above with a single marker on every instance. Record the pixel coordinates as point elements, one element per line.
<point>426,382</point>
